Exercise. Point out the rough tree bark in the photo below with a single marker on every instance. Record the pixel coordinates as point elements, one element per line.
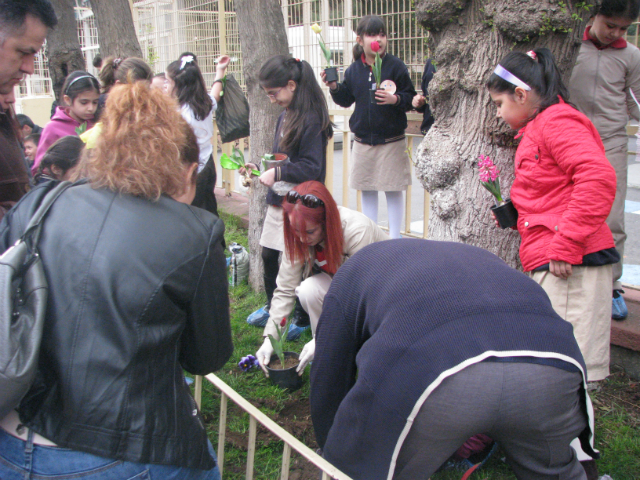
<point>63,48</point>
<point>115,28</point>
<point>468,39</point>
<point>259,41</point>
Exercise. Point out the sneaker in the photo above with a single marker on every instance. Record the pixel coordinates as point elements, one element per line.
<point>618,307</point>
<point>295,331</point>
<point>259,318</point>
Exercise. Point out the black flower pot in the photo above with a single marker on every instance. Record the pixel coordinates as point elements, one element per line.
<point>331,74</point>
<point>372,96</point>
<point>506,214</point>
<point>287,378</point>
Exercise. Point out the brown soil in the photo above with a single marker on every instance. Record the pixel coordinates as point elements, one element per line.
<point>288,363</point>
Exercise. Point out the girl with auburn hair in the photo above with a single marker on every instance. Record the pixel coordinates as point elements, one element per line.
<point>185,83</point>
<point>319,237</point>
<point>302,132</point>
<point>139,276</point>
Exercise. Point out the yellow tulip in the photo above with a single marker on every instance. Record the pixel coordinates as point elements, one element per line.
<point>316,28</point>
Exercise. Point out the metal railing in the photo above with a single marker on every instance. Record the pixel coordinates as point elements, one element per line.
<point>255,417</point>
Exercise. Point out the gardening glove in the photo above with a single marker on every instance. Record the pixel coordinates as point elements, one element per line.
<point>306,355</point>
<point>264,355</point>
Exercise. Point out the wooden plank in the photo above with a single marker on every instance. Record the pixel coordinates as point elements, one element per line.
<point>222,429</point>
<point>251,448</point>
<point>286,462</point>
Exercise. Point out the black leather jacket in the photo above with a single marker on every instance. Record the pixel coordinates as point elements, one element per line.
<point>138,291</point>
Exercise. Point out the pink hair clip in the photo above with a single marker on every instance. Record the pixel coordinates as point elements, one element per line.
<point>532,54</point>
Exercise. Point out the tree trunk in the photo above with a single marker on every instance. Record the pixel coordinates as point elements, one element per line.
<point>115,28</point>
<point>259,41</point>
<point>468,39</point>
<point>63,48</point>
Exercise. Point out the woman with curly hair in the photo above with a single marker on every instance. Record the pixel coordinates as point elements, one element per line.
<point>137,293</point>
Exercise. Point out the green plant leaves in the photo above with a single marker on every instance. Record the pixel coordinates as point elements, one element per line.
<point>234,161</point>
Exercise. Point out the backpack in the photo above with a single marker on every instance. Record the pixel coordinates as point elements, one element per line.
<point>23,303</point>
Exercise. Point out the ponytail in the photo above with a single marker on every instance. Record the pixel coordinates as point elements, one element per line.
<point>538,70</point>
<point>307,97</point>
<point>123,70</point>
<point>190,88</point>
<point>369,25</point>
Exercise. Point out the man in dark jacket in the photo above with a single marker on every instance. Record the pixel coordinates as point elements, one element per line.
<point>422,345</point>
<point>24,25</point>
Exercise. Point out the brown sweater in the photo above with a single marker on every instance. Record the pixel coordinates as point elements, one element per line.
<point>14,179</point>
<point>599,88</point>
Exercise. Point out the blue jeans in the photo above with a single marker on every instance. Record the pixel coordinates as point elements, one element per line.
<point>20,460</point>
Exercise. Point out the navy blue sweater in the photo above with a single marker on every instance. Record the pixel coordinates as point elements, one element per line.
<point>308,161</point>
<point>398,314</point>
<point>376,124</point>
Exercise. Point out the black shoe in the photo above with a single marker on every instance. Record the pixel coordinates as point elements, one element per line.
<point>299,317</point>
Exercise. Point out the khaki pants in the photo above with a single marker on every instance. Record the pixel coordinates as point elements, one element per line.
<point>311,293</point>
<point>618,158</point>
<point>584,300</point>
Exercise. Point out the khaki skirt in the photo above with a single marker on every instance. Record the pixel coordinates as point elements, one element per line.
<point>384,168</point>
<point>273,229</point>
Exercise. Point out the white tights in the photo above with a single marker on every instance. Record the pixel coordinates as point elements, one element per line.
<point>394,209</point>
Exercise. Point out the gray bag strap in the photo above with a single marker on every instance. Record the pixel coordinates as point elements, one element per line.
<point>32,232</point>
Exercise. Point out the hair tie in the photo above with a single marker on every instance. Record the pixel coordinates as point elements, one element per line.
<point>117,62</point>
<point>532,54</point>
<point>187,59</point>
<point>505,74</point>
<point>66,90</point>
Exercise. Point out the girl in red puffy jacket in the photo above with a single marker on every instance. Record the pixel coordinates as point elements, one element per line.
<point>563,190</point>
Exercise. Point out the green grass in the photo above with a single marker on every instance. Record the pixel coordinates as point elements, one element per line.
<point>617,410</point>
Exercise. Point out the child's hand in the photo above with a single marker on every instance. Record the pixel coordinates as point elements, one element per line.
<point>418,101</point>
<point>222,64</point>
<point>331,85</point>
<point>247,168</point>
<point>560,269</point>
<point>268,178</point>
<point>385,98</point>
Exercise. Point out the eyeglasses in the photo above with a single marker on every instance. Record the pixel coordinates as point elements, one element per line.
<point>274,95</point>
<point>308,200</point>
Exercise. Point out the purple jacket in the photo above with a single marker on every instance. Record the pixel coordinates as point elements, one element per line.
<point>61,125</point>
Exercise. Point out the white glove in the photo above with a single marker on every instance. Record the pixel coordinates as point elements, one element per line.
<point>264,355</point>
<point>306,355</point>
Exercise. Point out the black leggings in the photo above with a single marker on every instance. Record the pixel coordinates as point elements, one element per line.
<point>205,188</point>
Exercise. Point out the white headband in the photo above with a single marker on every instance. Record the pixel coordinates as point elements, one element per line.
<point>76,79</point>
<point>186,59</point>
<point>510,77</point>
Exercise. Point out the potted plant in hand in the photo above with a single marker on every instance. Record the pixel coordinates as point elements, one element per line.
<point>330,71</point>
<point>377,72</point>
<point>285,376</point>
<point>504,211</point>
<point>235,161</point>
